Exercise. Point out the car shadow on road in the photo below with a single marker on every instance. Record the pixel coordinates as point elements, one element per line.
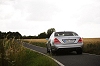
<point>64,53</point>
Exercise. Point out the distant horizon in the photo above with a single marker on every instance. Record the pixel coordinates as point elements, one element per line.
<point>41,32</point>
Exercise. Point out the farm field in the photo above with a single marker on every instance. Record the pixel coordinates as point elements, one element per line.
<point>35,40</point>
<point>85,40</point>
<point>91,45</point>
<point>91,40</point>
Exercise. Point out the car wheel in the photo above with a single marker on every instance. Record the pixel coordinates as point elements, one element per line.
<point>79,51</point>
<point>48,51</point>
<point>51,52</point>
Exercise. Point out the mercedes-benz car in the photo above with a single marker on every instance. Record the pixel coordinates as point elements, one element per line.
<point>64,40</point>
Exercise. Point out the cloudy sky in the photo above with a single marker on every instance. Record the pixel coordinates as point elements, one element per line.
<point>31,17</point>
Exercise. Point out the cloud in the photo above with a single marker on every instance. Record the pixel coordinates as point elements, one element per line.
<point>30,10</point>
<point>6,11</point>
<point>31,17</point>
<point>89,13</point>
<point>36,10</point>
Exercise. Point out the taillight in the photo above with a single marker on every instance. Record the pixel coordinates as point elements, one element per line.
<point>56,41</point>
<point>80,40</point>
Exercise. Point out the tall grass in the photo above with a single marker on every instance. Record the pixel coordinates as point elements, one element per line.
<point>12,53</point>
<point>91,45</point>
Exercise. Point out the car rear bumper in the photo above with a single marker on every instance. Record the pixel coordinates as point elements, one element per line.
<point>67,47</point>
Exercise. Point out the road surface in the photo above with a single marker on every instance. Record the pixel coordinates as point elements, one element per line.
<point>71,59</point>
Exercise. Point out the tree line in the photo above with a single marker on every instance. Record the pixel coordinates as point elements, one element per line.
<point>17,35</point>
<point>9,35</point>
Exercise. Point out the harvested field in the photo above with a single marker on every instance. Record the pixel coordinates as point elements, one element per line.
<point>85,40</point>
<point>91,45</point>
<point>91,40</point>
<point>35,40</point>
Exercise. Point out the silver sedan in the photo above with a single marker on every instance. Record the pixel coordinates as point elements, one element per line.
<point>64,40</point>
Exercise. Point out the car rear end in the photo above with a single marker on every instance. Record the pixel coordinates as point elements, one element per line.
<point>67,40</point>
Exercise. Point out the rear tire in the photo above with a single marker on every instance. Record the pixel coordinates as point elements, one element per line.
<point>53,53</point>
<point>48,51</point>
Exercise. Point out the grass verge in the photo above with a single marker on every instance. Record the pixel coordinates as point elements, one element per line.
<point>35,59</point>
<point>14,54</point>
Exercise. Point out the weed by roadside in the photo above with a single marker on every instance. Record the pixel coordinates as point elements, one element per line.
<point>12,53</point>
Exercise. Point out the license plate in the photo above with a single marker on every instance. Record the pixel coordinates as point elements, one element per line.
<point>68,40</point>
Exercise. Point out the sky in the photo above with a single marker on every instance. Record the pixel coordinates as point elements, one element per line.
<point>32,17</point>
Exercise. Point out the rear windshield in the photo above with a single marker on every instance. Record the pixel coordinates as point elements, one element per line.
<point>65,34</point>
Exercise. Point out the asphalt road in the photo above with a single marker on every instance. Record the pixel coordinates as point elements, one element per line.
<point>71,59</point>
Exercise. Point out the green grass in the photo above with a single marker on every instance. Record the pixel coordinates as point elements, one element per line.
<point>32,59</point>
<point>36,59</point>
<point>16,55</point>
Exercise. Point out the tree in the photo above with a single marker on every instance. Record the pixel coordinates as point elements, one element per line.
<point>50,31</point>
<point>2,35</point>
<point>9,35</point>
<point>42,35</point>
<point>15,35</point>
